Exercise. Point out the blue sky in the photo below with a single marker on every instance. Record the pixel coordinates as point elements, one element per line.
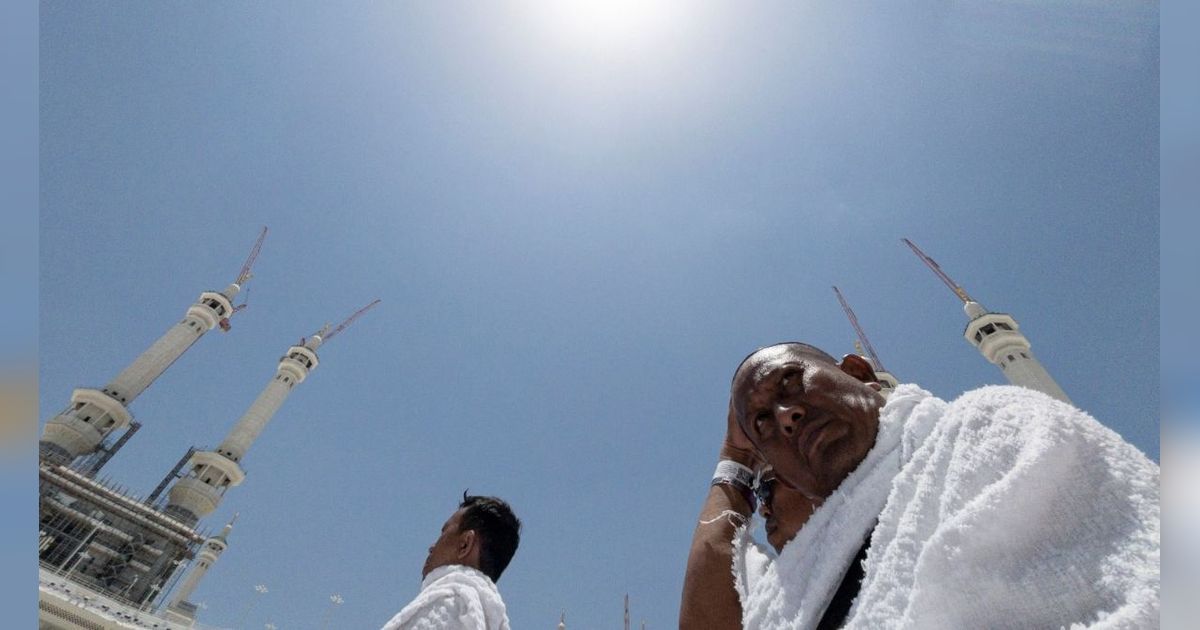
<point>577,231</point>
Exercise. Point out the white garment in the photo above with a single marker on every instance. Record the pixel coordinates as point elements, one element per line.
<point>1003,509</point>
<point>453,597</point>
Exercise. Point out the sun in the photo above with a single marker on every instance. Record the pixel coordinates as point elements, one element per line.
<point>612,28</point>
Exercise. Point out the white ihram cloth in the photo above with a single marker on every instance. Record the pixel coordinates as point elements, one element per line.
<point>453,597</point>
<point>1003,509</point>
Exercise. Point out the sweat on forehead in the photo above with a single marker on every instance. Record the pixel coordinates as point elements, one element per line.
<point>763,356</point>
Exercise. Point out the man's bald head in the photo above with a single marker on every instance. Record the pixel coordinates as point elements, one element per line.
<point>781,348</point>
<point>810,416</point>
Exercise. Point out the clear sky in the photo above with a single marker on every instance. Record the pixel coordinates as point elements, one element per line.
<point>578,227</point>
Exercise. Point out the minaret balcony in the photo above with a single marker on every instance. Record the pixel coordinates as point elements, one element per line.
<point>217,302</point>
<point>74,434</point>
<point>995,334</point>
<point>195,496</point>
<point>227,466</point>
<point>205,314</point>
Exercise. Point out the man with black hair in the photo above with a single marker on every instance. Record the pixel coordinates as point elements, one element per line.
<point>458,587</point>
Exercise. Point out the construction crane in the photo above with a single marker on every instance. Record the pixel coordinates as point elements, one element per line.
<point>932,264</point>
<point>862,336</point>
<point>327,334</point>
<point>243,276</point>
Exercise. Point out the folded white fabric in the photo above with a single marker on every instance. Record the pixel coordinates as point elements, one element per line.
<point>453,597</point>
<point>794,590</point>
<point>1003,509</point>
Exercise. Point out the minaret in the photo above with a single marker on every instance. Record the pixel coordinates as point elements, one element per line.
<point>562,621</point>
<point>212,472</point>
<point>998,339</point>
<point>887,382</point>
<point>180,609</point>
<point>95,413</point>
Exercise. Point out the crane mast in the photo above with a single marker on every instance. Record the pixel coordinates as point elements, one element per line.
<point>862,336</point>
<point>245,274</point>
<point>932,264</point>
<point>349,320</point>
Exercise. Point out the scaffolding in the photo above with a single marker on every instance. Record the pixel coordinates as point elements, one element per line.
<point>95,533</point>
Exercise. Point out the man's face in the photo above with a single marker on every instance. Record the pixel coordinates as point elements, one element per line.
<point>784,509</point>
<point>811,421</point>
<point>445,549</point>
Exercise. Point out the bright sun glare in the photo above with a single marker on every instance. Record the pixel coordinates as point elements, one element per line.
<point>612,27</point>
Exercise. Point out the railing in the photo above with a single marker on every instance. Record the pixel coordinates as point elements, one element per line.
<point>105,604</point>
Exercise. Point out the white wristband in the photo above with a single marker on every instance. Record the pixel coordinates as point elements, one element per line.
<point>729,471</point>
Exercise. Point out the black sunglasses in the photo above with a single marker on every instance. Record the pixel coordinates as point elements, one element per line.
<point>764,489</point>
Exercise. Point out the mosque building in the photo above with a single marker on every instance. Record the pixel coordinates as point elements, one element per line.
<point>109,559</point>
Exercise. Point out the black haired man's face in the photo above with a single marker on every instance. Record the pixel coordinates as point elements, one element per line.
<point>810,420</point>
<point>444,550</point>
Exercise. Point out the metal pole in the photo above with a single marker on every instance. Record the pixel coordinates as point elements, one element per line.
<point>86,538</point>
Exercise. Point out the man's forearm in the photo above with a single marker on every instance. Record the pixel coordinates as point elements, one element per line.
<point>709,600</point>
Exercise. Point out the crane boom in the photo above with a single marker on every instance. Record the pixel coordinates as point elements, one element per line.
<point>862,336</point>
<point>244,275</point>
<point>932,264</point>
<point>349,320</point>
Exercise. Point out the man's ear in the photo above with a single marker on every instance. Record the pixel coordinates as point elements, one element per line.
<point>466,543</point>
<point>859,368</point>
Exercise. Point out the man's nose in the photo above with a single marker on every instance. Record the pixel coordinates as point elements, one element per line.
<point>789,418</point>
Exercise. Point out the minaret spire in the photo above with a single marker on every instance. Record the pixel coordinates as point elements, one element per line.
<point>886,380</point>
<point>999,339</point>
<point>180,609</point>
<point>95,413</point>
<point>937,269</point>
<point>199,492</point>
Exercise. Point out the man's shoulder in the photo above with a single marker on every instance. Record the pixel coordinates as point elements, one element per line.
<point>1014,419</point>
<point>1004,407</point>
<point>454,596</point>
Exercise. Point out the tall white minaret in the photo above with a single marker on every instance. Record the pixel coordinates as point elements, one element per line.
<point>213,472</point>
<point>887,382</point>
<point>998,339</point>
<point>95,413</point>
<point>180,609</point>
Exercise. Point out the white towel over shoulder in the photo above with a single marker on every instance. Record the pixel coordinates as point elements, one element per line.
<point>794,590</point>
<point>1010,510</point>
<point>453,597</point>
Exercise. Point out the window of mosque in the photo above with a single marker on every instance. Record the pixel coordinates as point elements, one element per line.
<point>978,336</point>
<point>989,329</point>
<point>1003,325</point>
<point>1011,358</point>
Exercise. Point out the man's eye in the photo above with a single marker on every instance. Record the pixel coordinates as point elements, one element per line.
<point>760,420</point>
